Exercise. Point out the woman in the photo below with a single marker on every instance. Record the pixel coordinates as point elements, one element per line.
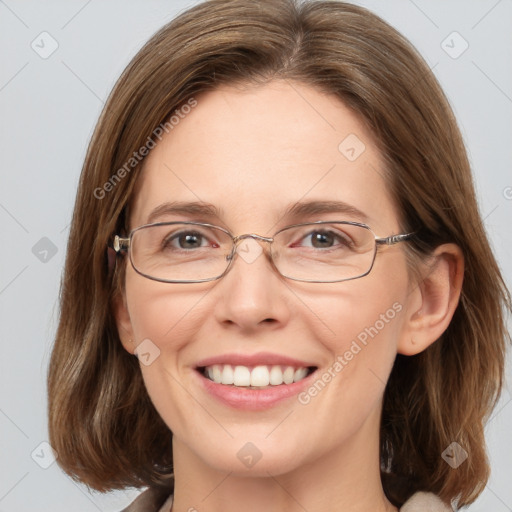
<point>298,308</point>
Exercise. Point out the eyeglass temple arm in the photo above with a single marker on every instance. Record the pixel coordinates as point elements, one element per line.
<point>394,239</point>
<point>121,244</point>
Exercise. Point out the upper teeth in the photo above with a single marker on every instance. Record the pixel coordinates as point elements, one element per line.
<point>258,376</point>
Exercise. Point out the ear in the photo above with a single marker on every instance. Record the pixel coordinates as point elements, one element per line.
<point>433,300</point>
<point>123,321</point>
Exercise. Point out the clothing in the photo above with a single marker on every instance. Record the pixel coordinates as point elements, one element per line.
<point>425,502</point>
<point>150,501</point>
<point>167,506</point>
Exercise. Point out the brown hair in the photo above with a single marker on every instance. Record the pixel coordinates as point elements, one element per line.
<point>102,423</point>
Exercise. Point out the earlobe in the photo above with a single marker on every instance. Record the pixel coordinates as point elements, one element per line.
<point>123,322</point>
<point>433,300</point>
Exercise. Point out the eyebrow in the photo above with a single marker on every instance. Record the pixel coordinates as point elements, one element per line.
<point>298,209</point>
<point>198,209</point>
<point>309,208</point>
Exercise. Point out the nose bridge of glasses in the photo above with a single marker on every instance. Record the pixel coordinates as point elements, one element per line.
<point>252,248</point>
<point>259,238</point>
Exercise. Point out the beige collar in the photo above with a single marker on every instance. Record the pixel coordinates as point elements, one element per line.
<point>425,502</point>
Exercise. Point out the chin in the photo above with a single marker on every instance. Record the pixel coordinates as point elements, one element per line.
<point>250,461</point>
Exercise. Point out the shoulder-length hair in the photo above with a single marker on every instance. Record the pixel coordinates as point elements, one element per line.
<point>101,420</point>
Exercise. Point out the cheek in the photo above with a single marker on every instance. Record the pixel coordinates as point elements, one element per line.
<point>364,327</point>
<point>167,317</point>
<point>364,315</point>
<point>365,319</point>
<point>378,322</point>
<point>363,352</point>
<point>367,350</point>
<point>163,323</point>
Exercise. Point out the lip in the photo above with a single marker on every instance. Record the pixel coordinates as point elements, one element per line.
<point>258,359</point>
<point>251,399</point>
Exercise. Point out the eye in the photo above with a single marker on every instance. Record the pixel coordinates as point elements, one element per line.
<point>187,240</point>
<point>324,239</point>
<point>321,240</point>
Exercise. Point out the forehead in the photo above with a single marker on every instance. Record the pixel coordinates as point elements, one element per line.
<point>254,151</point>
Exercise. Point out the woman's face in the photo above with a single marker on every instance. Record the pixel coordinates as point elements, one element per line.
<point>253,153</point>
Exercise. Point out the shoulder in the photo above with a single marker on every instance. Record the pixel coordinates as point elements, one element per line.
<point>425,502</point>
<point>151,500</point>
<point>159,500</point>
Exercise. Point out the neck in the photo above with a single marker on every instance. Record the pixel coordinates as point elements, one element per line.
<point>348,476</point>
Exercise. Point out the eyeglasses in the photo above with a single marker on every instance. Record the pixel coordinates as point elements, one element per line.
<point>195,252</point>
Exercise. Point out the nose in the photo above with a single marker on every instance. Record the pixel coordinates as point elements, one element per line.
<point>252,294</point>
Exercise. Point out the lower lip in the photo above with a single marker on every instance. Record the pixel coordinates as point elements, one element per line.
<point>253,399</point>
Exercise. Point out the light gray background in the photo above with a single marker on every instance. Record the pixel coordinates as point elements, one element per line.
<point>48,110</point>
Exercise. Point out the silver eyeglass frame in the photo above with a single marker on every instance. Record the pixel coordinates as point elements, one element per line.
<point>121,245</point>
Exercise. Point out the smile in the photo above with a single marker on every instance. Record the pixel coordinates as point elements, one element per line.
<point>256,377</point>
<point>254,382</point>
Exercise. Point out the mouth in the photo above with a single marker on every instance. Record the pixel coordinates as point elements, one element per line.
<point>254,382</point>
<point>255,377</point>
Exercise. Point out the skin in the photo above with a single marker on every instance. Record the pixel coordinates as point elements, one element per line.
<point>252,152</point>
